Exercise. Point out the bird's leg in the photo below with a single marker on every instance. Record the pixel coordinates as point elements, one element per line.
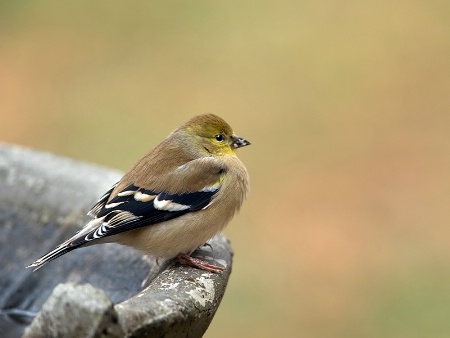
<point>184,259</point>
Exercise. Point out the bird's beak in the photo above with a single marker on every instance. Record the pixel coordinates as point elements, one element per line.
<point>238,142</point>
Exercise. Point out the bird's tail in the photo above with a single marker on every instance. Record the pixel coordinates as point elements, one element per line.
<point>55,253</point>
<point>72,243</point>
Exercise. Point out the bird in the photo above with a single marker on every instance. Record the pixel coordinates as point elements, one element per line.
<point>174,199</point>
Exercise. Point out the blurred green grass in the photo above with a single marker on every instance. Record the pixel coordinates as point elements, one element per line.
<point>346,104</point>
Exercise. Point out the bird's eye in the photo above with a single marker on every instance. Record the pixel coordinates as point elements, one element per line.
<point>219,137</point>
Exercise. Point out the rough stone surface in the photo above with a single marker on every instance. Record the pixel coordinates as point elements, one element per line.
<point>187,297</point>
<point>85,311</point>
<point>43,200</point>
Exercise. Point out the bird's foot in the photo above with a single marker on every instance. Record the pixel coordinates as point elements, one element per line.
<point>184,259</point>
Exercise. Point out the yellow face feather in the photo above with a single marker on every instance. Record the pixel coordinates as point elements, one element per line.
<point>213,133</point>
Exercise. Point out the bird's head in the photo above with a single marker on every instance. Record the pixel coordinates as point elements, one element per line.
<point>214,135</point>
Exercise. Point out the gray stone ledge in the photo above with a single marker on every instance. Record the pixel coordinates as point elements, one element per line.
<point>44,199</point>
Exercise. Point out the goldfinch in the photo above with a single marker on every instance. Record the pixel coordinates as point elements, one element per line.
<point>173,200</point>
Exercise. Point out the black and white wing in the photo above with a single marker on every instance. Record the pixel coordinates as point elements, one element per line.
<point>131,208</point>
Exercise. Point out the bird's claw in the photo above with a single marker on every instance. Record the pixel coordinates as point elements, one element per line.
<point>210,246</point>
<point>184,259</point>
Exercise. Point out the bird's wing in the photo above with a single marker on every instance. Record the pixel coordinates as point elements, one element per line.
<point>101,202</point>
<point>134,207</point>
<point>174,176</point>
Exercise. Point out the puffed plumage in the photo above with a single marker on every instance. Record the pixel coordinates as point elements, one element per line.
<point>179,195</point>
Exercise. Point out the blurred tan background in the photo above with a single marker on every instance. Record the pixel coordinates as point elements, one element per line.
<point>347,105</point>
